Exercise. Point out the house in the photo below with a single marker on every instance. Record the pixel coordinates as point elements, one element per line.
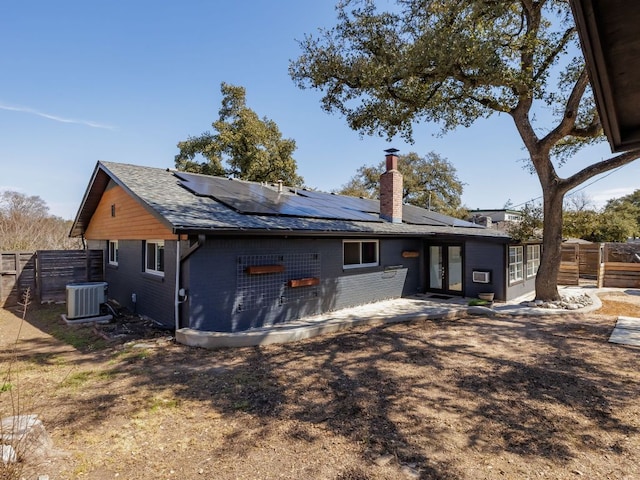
<point>499,219</point>
<point>217,254</point>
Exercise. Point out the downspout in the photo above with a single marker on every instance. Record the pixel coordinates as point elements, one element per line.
<point>177,286</point>
<point>181,257</point>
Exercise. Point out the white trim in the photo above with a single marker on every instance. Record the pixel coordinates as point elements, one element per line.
<point>110,260</point>
<point>158,244</point>
<point>360,264</point>
<point>519,260</point>
<point>533,261</point>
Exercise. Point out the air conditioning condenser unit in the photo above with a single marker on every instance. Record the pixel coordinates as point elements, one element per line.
<point>84,299</point>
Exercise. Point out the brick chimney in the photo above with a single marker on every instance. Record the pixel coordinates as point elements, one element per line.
<point>391,189</point>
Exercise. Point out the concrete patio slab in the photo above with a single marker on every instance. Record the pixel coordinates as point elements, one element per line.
<point>415,308</point>
<point>626,332</point>
<point>629,323</point>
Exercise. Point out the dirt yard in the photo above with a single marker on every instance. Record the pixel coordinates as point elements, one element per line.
<point>477,398</point>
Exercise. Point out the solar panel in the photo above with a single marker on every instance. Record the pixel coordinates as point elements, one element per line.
<point>355,203</point>
<point>421,216</point>
<point>253,198</point>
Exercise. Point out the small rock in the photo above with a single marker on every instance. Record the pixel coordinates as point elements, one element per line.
<point>538,303</point>
<point>573,306</point>
<point>479,310</point>
<point>550,305</point>
<point>410,472</point>
<point>8,454</point>
<point>533,304</point>
<point>28,432</point>
<point>383,460</point>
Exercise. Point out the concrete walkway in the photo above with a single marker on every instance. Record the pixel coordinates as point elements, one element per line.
<point>418,307</point>
<point>626,332</point>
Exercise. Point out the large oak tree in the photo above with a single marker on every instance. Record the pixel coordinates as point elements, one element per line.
<point>430,182</point>
<point>252,148</point>
<point>455,61</point>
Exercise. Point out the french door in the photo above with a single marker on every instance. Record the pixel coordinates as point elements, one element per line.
<point>444,268</point>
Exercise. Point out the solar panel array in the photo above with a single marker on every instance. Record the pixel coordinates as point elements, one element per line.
<point>257,199</point>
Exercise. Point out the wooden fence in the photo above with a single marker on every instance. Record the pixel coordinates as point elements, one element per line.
<point>621,275</point>
<point>46,273</point>
<point>601,262</point>
<point>17,274</point>
<point>569,273</point>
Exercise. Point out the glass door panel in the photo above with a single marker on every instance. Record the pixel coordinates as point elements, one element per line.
<point>436,267</point>
<point>454,268</point>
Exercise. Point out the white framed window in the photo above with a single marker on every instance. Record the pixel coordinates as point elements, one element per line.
<point>113,252</point>
<point>515,264</point>
<point>533,260</point>
<point>154,257</point>
<point>360,253</point>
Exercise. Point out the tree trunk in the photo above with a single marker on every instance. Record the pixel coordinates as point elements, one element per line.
<point>547,278</point>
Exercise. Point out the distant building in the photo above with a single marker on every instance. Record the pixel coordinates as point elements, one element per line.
<point>497,219</point>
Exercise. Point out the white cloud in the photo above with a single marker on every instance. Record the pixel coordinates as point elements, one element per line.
<point>55,118</point>
<point>601,197</point>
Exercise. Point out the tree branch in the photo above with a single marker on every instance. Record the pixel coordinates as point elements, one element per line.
<point>568,121</point>
<point>598,168</point>
<point>555,52</point>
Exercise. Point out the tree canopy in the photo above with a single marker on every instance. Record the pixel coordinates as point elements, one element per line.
<point>453,62</point>
<point>242,145</point>
<point>429,182</point>
<point>26,225</point>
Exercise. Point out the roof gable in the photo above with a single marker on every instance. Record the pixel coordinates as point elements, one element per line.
<point>175,200</point>
<point>118,216</point>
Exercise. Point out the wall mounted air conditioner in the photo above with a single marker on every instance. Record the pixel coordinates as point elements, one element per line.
<point>481,277</point>
<point>84,299</point>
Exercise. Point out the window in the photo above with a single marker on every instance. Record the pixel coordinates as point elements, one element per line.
<point>533,260</point>
<point>113,252</point>
<point>360,253</point>
<point>515,264</point>
<point>154,257</point>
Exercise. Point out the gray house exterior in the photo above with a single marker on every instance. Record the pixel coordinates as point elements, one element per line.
<point>213,254</point>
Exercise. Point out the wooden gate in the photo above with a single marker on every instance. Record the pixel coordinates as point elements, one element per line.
<point>569,273</point>
<point>580,260</point>
<point>17,274</point>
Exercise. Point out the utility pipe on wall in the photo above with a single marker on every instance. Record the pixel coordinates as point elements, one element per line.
<point>177,286</point>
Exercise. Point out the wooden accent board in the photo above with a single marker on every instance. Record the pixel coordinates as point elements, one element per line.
<point>131,221</point>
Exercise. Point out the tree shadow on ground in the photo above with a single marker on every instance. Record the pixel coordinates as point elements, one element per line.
<point>418,393</point>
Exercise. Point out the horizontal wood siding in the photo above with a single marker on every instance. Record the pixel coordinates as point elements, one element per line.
<point>154,293</point>
<point>131,221</point>
<point>489,257</point>
<point>621,275</point>
<point>218,282</point>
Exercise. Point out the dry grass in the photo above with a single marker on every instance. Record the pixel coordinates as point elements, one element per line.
<point>477,398</point>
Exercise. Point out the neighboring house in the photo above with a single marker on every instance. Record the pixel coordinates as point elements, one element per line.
<point>216,254</point>
<point>499,219</point>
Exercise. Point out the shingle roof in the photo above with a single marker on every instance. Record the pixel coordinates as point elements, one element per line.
<point>162,193</point>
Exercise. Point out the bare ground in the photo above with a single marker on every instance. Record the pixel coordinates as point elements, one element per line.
<point>477,398</point>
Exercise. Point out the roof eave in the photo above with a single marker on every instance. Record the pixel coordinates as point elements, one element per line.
<point>590,30</point>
